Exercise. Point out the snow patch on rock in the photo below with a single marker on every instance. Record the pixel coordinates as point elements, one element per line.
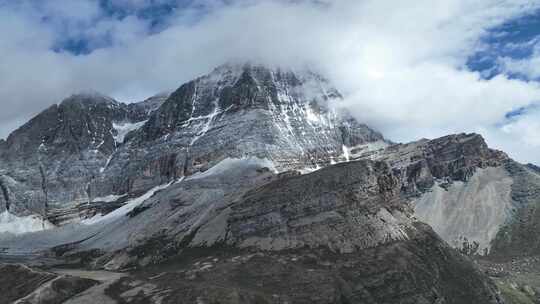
<point>10,223</point>
<point>125,209</point>
<point>109,198</point>
<point>346,153</point>
<point>228,163</point>
<point>123,129</point>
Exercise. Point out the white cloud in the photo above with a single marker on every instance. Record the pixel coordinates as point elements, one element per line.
<point>137,4</point>
<point>526,129</point>
<point>528,66</point>
<point>520,137</point>
<point>401,65</point>
<point>80,10</point>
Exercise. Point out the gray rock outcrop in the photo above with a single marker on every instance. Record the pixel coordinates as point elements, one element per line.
<point>301,202</point>
<point>90,146</point>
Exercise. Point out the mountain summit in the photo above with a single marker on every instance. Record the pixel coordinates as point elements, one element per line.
<point>103,147</point>
<point>253,186</point>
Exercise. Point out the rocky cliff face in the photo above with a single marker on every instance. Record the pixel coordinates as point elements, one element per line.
<point>91,146</point>
<point>223,166</point>
<point>47,165</point>
<point>477,199</point>
<point>354,206</point>
<point>519,234</point>
<point>451,158</point>
<point>239,233</point>
<point>343,231</point>
<point>238,111</point>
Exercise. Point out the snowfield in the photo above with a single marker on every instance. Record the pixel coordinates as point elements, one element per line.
<point>125,209</point>
<point>123,129</point>
<point>10,223</point>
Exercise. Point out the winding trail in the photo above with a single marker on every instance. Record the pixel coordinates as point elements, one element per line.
<point>94,294</point>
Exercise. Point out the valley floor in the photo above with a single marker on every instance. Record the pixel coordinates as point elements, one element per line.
<point>231,276</point>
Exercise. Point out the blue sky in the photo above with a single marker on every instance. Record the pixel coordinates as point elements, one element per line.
<point>410,69</point>
<point>516,39</point>
<point>76,40</point>
<point>155,15</point>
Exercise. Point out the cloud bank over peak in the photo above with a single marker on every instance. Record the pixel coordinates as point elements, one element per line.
<point>402,66</point>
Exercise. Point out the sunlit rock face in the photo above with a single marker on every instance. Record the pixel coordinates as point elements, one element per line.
<point>282,115</point>
<point>47,165</point>
<point>469,214</point>
<point>90,154</point>
<point>49,162</point>
<point>90,146</point>
<point>351,213</point>
<point>476,198</point>
<point>492,213</point>
<point>458,186</point>
<point>257,161</point>
<point>342,233</point>
<point>347,207</point>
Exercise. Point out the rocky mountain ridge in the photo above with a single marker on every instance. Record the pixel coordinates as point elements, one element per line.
<point>48,163</point>
<point>258,166</point>
<point>91,146</point>
<point>239,233</point>
<point>119,151</point>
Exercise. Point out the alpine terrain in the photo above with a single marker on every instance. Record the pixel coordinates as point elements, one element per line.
<point>251,184</point>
